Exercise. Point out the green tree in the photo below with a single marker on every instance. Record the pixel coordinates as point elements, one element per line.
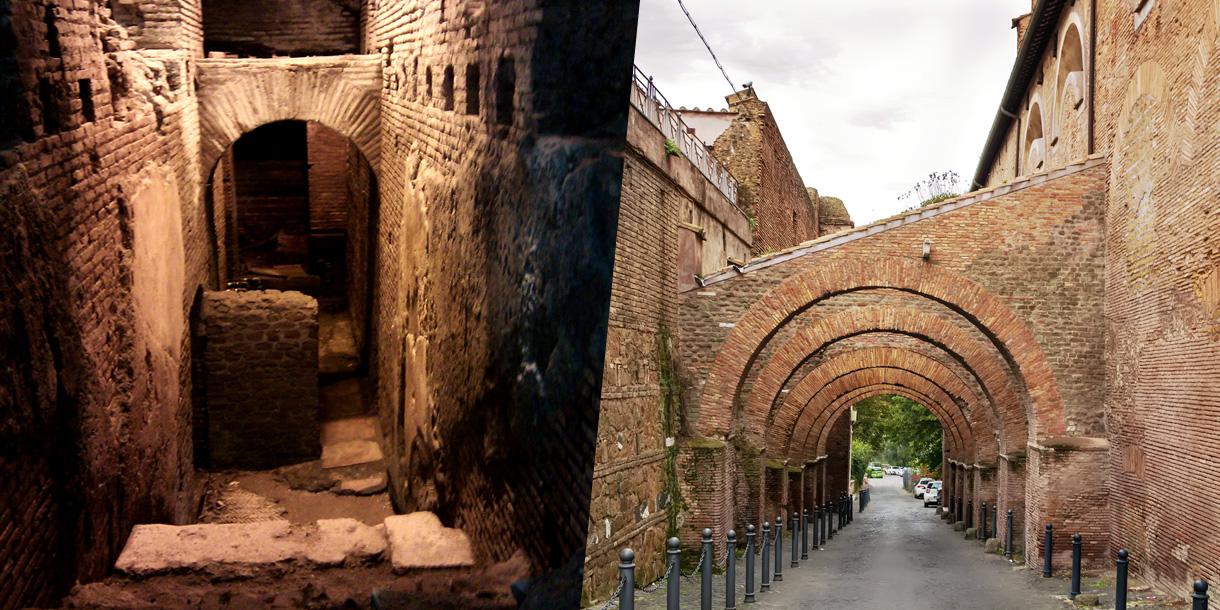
<point>861,454</point>
<point>898,431</point>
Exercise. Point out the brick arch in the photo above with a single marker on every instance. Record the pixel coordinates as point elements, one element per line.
<point>832,387</point>
<point>811,453</point>
<point>1002,401</point>
<point>1013,340</point>
<point>827,374</point>
<point>239,95</point>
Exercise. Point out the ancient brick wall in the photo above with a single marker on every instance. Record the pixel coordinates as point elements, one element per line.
<point>663,198</point>
<point>261,365</point>
<point>770,189</point>
<point>1045,220</point>
<point>161,24</point>
<point>224,219</point>
<point>1046,270</point>
<point>499,182</point>
<point>1051,129</point>
<point>1158,105</point>
<point>281,27</point>
<point>328,178</point>
<point>99,142</point>
<point>361,195</point>
<point>271,183</point>
<point>838,456</point>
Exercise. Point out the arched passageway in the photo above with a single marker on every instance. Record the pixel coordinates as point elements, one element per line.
<point>792,342</point>
<point>293,208</point>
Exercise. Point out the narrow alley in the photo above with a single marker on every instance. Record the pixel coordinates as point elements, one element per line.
<point>896,554</point>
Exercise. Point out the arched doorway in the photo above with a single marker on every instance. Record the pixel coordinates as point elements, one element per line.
<point>293,208</point>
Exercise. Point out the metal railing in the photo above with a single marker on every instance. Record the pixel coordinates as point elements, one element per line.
<point>652,104</point>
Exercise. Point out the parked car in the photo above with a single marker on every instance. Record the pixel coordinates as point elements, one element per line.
<point>931,496</point>
<point>921,486</point>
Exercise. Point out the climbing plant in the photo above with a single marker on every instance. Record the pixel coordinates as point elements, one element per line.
<point>670,403</point>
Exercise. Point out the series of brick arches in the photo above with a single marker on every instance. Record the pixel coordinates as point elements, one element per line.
<point>787,373</point>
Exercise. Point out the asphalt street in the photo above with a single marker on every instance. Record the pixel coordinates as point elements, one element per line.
<point>897,554</point>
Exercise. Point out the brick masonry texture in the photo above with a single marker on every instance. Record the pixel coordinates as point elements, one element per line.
<point>488,235</point>
<point>770,188</point>
<point>664,199</point>
<point>281,27</point>
<point>826,321</point>
<point>261,358</point>
<point>1063,326</point>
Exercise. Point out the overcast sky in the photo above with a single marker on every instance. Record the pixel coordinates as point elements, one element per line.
<point>870,95</point>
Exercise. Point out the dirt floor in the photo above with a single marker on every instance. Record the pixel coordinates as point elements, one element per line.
<point>346,588</point>
<point>242,497</point>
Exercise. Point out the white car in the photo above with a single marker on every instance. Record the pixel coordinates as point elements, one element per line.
<point>931,497</point>
<point>922,486</point>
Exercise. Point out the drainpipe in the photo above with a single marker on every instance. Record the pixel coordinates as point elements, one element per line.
<point>1092,70</point>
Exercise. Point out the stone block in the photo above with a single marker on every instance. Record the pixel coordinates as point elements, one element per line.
<point>420,541</point>
<point>340,541</point>
<point>350,453</point>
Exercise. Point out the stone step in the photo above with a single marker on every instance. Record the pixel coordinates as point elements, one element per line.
<point>337,352</point>
<point>349,429</point>
<point>342,399</point>
<point>350,453</point>
<point>417,541</point>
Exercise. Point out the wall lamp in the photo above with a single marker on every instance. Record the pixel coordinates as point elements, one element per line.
<point>927,249</point>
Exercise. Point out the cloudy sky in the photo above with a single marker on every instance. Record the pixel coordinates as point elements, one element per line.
<point>870,95</point>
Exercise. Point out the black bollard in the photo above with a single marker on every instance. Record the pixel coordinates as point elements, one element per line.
<point>995,520</point>
<point>730,572</point>
<point>796,524</point>
<point>817,527</point>
<point>1198,599</point>
<point>1008,537</point>
<point>705,571</point>
<point>830,518</point>
<point>626,571</point>
<point>1047,550</point>
<point>825,526</point>
<point>804,533</point>
<point>983,522</point>
<point>1120,581</point>
<point>766,557</point>
<point>673,551</point>
<point>1075,567</point>
<point>779,550</point>
<point>749,598</point>
<point>969,514</point>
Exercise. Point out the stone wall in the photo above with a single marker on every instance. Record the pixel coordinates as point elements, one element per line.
<point>281,27</point>
<point>770,189</point>
<point>328,178</point>
<point>665,199</point>
<point>1158,107</point>
<point>499,181</point>
<point>1046,271</point>
<point>98,169</point>
<point>261,367</point>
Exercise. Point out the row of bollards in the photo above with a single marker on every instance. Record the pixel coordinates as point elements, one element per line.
<point>1199,599</point>
<point>821,525</point>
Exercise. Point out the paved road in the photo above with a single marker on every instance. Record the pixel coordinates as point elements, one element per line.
<point>897,554</point>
